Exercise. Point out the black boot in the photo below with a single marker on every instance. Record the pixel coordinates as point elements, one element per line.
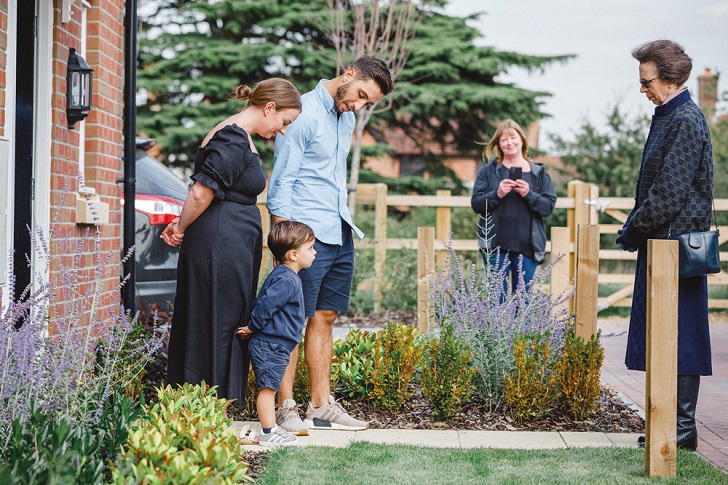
<point>687,400</point>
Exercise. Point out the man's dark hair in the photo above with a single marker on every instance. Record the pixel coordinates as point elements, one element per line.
<point>368,67</point>
<point>287,235</point>
<point>672,62</point>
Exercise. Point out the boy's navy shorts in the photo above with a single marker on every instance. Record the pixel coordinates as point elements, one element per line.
<point>327,283</point>
<point>269,362</point>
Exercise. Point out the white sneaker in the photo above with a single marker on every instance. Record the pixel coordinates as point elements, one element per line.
<point>287,417</point>
<point>277,437</point>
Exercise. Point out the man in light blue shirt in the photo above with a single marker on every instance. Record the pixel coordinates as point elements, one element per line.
<point>308,184</point>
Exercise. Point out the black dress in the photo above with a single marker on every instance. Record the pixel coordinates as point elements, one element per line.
<point>217,274</point>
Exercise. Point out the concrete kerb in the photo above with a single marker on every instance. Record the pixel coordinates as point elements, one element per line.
<point>463,439</point>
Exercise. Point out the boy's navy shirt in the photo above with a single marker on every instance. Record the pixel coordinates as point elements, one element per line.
<point>278,312</point>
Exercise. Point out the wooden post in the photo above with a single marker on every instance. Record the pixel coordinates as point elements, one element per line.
<point>661,363</point>
<point>587,280</point>
<point>380,243</point>
<point>442,227</point>
<point>580,214</point>
<point>266,259</point>
<point>560,278</point>
<point>425,271</point>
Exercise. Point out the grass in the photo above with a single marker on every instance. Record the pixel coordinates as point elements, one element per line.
<point>367,463</point>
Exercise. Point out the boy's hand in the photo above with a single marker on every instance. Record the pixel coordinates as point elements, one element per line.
<point>243,332</point>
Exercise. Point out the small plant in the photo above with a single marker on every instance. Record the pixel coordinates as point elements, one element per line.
<point>446,373</point>
<point>185,438</point>
<point>397,355</point>
<point>353,365</point>
<point>578,371</point>
<point>488,319</point>
<point>531,388</point>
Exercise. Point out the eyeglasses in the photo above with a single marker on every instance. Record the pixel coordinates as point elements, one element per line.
<point>646,82</point>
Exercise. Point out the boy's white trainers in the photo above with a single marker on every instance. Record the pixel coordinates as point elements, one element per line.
<point>277,437</point>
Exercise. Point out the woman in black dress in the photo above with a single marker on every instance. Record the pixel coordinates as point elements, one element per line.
<point>674,196</point>
<point>219,230</point>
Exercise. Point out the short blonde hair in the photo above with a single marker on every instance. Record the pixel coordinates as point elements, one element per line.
<point>493,147</point>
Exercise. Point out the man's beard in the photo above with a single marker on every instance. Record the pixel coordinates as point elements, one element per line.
<point>339,97</point>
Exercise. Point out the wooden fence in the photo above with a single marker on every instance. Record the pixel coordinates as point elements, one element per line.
<point>583,207</point>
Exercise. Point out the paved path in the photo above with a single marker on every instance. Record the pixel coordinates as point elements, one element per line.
<point>712,411</point>
<point>463,439</point>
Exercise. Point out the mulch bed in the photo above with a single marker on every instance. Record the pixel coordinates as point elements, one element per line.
<point>613,416</point>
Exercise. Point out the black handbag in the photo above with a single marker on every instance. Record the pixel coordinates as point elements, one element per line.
<point>699,251</point>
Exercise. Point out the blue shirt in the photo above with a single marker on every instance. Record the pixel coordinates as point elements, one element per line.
<point>308,182</point>
<point>278,312</point>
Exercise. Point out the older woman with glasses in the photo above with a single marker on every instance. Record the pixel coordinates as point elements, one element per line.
<point>673,196</point>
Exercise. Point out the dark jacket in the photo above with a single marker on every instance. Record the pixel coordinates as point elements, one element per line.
<point>541,200</point>
<point>674,188</point>
<point>278,313</point>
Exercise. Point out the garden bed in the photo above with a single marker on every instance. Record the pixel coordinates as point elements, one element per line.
<point>613,416</point>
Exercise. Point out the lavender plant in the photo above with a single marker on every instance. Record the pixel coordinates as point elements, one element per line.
<point>489,318</point>
<point>68,360</point>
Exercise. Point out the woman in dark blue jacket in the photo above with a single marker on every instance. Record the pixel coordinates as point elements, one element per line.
<point>674,195</point>
<point>512,196</point>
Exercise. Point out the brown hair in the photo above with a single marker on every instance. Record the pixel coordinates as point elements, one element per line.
<point>368,67</point>
<point>281,91</point>
<point>673,63</point>
<point>493,147</point>
<point>287,235</point>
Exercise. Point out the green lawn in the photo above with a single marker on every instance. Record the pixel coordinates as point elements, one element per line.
<point>366,463</point>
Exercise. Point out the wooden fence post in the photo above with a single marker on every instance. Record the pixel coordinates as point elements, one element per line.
<point>560,278</point>
<point>580,214</point>
<point>425,272</point>
<point>380,243</point>
<point>661,363</point>
<point>442,227</point>
<point>587,280</point>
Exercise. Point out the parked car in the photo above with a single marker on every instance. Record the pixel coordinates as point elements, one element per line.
<point>159,198</point>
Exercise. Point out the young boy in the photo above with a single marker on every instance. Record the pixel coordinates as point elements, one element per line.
<point>276,322</point>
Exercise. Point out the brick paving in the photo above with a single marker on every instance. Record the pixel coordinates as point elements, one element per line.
<point>712,411</point>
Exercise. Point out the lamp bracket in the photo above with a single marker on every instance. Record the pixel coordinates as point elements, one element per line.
<point>66,10</point>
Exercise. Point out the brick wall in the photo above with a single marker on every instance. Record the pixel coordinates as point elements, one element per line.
<point>103,145</point>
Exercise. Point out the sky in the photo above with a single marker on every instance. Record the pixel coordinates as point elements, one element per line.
<point>602,34</point>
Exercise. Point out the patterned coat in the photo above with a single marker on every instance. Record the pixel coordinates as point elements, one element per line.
<point>674,195</point>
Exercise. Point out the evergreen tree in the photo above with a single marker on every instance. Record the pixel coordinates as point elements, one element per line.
<point>194,52</point>
<point>449,94</point>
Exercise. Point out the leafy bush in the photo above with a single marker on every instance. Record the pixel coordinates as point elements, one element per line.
<point>353,365</point>
<point>397,355</point>
<point>185,438</point>
<point>446,373</point>
<point>488,319</point>
<point>531,388</point>
<point>44,448</point>
<point>578,371</point>
<point>67,360</point>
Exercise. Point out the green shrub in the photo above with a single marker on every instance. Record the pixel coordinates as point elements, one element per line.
<point>185,438</point>
<point>397,355</point>
<point>353,365</point>
<point>446,373</point>
<point>531,389</point>
<point>578,372</point>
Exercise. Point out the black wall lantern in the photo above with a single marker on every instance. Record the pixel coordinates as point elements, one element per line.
<point>79,83</point>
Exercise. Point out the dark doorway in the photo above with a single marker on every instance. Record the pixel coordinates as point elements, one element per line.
<point>24,143</point>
